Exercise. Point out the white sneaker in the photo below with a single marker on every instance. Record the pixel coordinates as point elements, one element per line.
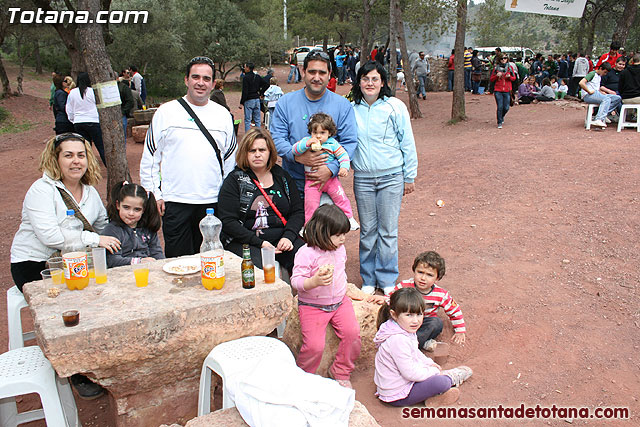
<point>599,123</point>
<point>354,224</point>
<point>368,289</point>
<point>388,291</point>
<point>607,120</point>
<point>458,375</point>
<point>430,345</point>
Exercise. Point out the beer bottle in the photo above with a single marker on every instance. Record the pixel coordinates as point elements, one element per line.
<point>248,274</point>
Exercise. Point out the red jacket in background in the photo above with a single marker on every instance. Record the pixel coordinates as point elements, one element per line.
<point>450,65</point>
<point>608,57</point>
<point>503,83</point>
<point>333,84</point>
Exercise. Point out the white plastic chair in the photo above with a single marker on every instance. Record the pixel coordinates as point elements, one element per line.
<point>25,370</point>
<point>623,123</point>
<point>591,108</point>
<point>15,303</point>
<point>232,357</point>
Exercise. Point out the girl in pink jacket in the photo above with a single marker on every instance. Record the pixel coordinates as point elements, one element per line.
<point>404,375</point>
<point>320,278</point>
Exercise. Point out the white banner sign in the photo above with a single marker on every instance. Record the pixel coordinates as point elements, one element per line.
<point>573,8</point>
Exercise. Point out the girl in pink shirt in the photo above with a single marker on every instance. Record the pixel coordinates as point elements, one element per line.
<point>320,278</point>
<point>404,375</point>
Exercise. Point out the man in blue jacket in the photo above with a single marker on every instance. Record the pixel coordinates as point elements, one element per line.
<point>291,116</point>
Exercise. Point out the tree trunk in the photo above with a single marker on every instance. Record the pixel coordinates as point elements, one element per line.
<point>414,108</point>
<point>6,85</point>
<point>457,106</point>
<point>99,68</point>
<point>624,24</point>
<point>393,60</point>
<point>68,36</point>
<point>365,47</point>
<point>21,59</point>
<point>581,32</point>
<point>36,53</point>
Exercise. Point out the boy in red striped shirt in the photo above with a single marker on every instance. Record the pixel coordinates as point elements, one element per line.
<point>428,268</point>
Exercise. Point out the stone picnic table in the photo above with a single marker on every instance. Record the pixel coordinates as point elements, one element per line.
<point>146,345</point>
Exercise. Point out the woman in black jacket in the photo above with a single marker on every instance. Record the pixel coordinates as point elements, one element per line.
<point>259,203</point>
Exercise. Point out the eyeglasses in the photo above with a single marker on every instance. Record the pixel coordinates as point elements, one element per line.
<point>370,80</point>
<point>202,60</point>
<point>64,136</point>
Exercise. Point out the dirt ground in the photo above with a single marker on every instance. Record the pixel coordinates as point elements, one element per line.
<point>539,230</point>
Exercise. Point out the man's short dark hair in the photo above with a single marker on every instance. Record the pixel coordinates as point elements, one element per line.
<point>605,66</point>
<point>317,55</point>
<point>199,60</point>
<point>133,68</point>
<point>250,66</point>
<point>614,45</point>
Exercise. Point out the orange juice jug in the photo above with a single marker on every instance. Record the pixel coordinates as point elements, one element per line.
<point>76,268</point>
<point>211,252</point>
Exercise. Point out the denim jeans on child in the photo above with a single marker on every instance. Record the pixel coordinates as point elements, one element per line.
<point>379,200</point>
<point>502,101</point>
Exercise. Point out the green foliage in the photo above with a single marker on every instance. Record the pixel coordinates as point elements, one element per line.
<point>9,125</point>
<point>431,18</point>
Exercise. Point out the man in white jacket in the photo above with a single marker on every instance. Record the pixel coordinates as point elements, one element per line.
<point>179,164</point>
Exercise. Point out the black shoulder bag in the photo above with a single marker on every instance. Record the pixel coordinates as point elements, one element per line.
<point>204,131</point>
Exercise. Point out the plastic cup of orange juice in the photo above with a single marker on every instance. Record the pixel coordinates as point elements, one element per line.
<point>56,263</point>
<point>52,276</point>
<point>141,273</point>
<point>100,265</point>
<point>269,264</point>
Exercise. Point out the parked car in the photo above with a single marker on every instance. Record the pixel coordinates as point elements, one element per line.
<point>513,51</point>
<point>302,53</point>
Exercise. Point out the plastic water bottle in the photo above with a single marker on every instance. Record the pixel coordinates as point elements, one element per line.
<point>76,270</point>
<point>211,252</point>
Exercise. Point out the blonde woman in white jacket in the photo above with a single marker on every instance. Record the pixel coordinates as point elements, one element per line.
<point>68,164</point>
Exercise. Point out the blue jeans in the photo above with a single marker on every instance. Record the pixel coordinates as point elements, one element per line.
<point>502,101</point>
<point>423,84</point>
<point>292,74</point>
<point>450,80</point>
<point>124,126</point>
<point>379,202</point>
<point>251,110</point>
<point>606,103</point>
<point>467,78</point>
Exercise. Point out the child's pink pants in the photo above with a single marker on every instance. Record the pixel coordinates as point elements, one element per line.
<point>334,189</point>
<point>313,325</point>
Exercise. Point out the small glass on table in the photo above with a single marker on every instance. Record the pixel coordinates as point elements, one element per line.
<point>141,273</point>
<point>269,264</point>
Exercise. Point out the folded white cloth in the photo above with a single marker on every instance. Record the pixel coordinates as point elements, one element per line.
<point>276,393</point>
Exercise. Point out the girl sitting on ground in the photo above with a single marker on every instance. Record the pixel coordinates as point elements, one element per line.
<point>135,221</point>
<point>546,93</point>
<point>404,376</point>
<point>562,90</point>
<point>320,278</point>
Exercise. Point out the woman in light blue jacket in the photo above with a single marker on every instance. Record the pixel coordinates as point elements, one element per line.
<point>385,165</point>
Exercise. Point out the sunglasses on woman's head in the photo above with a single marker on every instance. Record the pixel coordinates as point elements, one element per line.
<point>64,136</point>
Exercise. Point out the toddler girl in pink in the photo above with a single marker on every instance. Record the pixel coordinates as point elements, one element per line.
<point>322,128</point>
<point>404,376</point>
<point>320,278</point>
